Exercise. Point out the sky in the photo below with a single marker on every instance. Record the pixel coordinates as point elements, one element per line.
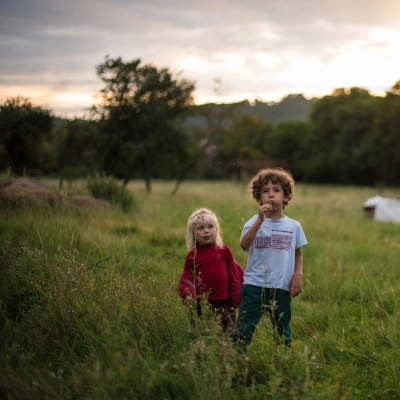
<point>232,49</point>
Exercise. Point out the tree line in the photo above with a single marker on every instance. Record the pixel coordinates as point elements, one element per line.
<point>139,130</point>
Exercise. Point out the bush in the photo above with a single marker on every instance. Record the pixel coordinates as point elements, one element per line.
<point>7,173</point>
<point>107,188</point>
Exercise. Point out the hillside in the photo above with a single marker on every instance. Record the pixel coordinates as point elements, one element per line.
<point>294,107</point>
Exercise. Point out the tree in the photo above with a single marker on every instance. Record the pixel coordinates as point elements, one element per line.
<point>212,124</point>
<point>289,141</point>
<point>140,107</point>
<point>207,137</point>
<point>341,125</point>
<point>395,88</point>
<point>384,142</point>
<point>73,147</point>
<point>246,139</point>
<point>23,129</point>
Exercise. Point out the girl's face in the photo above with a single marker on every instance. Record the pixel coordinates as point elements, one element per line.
<point>205,232</point>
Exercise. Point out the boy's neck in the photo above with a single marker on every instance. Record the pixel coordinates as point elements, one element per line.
<point>275,216</point>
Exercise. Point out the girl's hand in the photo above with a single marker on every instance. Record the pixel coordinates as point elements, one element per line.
<point>188,299</point>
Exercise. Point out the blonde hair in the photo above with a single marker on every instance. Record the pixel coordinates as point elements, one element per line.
<point>202,215</point>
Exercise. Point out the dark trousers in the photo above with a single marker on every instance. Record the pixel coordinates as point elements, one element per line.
<point>223,311</point>
<point>255,301</point>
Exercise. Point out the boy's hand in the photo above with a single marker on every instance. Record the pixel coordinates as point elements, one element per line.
<point>295,286</point>
<point>263,210</point>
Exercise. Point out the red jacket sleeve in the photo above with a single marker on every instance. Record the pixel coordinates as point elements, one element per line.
<point>236,274</point>
<point>186,280</point>
<point>235,284</point>
<point>185,284</point>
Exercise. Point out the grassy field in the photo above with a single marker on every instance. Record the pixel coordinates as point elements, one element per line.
<point>89,307</point>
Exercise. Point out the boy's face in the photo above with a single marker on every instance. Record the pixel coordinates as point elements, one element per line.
<point>272,193</point>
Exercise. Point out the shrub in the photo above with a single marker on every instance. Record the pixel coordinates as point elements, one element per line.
<point>7,173</point>
<point>108,188</point>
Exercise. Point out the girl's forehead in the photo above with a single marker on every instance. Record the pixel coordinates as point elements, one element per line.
<point>203,219</point>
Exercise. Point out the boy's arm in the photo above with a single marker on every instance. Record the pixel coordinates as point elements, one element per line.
<point>248,238</point>
<point>295,286</point>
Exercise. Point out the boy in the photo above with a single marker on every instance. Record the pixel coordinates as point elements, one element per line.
<point>274,268</point>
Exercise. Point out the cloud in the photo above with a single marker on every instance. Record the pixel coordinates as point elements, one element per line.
<point>259,49</point>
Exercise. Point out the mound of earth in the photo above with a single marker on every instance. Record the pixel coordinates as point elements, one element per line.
<point>87,202</point>
<point>28,191</point>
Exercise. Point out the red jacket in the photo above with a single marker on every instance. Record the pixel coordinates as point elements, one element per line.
<point>212,271</point>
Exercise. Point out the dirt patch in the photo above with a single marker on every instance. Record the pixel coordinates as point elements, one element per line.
<point>15,191</point>
<point>87,202</point>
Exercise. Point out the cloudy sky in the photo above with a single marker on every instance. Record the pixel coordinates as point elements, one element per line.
<point>257,49</point>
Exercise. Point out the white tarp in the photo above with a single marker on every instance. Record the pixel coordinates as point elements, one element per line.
<point>385,208</point>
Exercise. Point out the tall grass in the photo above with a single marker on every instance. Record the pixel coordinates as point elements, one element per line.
<point>89,307</point>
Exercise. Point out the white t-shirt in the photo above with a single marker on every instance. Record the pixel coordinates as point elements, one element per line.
<point>272,254</point>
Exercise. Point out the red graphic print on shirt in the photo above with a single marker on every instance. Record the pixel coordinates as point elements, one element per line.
<point>279,240</point>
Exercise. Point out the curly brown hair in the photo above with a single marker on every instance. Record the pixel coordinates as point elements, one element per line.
<point>275,175</point>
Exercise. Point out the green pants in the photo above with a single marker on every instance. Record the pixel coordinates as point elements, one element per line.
<point>255,301</point>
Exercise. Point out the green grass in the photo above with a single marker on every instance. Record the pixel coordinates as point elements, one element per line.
<point>89,307</point>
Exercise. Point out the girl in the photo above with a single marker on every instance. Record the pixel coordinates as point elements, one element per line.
<point>210,275</point>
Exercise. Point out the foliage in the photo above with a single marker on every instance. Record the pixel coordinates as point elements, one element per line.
<point>351,137</point>
<point>6,173</point>
<point>207,158</point>
<point>384,142</point>
<point>108,188</point>
<point>247,139</point>
<point>140,108</point>
<point>23,130</point>
<point>341,124</point>
<point>395,89</point>
<point>73,147</point>
<point>147,128</point>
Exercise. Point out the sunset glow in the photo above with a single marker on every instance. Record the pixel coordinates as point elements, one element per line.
<point>255,50</point>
